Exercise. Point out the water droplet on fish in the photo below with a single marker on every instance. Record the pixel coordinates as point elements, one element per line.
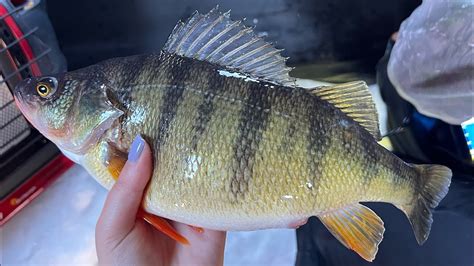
<point>192,163</point>
<point>286,197</point>
<point>343,123</point>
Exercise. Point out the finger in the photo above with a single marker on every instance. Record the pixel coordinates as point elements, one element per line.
<point>119,213</point>
<point>201,246</point>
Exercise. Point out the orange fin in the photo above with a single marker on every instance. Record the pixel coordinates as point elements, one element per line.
<point>115,161</point>
<point>162,225</point>
<point>356,227</point>
<point>197,229</point>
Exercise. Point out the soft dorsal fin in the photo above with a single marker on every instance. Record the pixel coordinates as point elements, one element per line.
<point>215,38</point>
<point>355,100</point>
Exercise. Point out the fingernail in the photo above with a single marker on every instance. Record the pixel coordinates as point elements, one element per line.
<point>136,148</point>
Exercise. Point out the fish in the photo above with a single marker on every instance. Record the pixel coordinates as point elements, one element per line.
<point>237,145</point>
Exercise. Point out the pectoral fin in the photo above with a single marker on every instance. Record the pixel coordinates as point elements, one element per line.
<point>115,163</point>
<point>357,227</point>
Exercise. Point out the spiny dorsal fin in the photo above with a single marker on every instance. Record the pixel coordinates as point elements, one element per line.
<point>355,100</point>
<point>357,227</point>
<point>215,38</point>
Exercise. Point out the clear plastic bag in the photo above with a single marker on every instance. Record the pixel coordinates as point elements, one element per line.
<point>432,63</point>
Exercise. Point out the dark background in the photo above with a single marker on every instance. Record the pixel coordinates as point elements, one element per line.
<point>335,35</point>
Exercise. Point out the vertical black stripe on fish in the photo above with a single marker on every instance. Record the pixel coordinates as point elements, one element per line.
<point>372,155</point>
<point>292,100</point>
<point>252,124</point>
<point>126,74</point>
<point>132,68</point>
<point>206,107</point>
<point>289,138</point>
<point>319,137</point>
<point>170,102</point>
<point>205,111</point>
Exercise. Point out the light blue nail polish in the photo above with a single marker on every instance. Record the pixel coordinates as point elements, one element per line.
<point>136,148</point>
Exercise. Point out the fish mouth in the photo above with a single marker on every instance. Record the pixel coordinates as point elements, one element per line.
<point>20,103</point>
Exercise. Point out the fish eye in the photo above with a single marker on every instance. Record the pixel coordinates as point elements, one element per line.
<point>46,87</point>
<point>43,90</point>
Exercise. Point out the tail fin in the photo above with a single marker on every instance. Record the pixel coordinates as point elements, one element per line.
<point>432,185</point>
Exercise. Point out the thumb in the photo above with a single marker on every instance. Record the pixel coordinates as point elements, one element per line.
<point>120,209</point>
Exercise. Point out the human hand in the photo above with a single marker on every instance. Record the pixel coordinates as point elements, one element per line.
<point>121,238</point>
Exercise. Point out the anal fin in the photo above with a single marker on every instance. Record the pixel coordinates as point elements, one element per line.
<point>356,227</point>
<point>115,162</point>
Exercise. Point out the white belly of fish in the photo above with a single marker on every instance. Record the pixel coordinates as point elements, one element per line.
<point>230,222</point>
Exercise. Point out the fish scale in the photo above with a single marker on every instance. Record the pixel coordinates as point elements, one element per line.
<point>236,144</point>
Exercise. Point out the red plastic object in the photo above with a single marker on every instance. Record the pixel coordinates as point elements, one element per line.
<point>36,184</point>
<point>18,34</point>
<point>29,190</point>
